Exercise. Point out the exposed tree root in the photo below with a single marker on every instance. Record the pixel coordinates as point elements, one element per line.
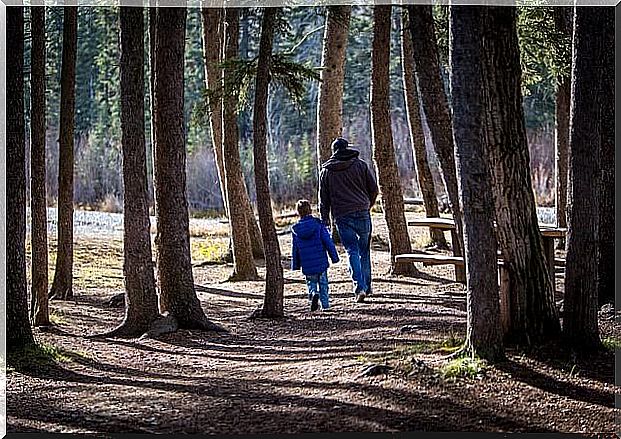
<point>259,313</point>
<point>237,277</point>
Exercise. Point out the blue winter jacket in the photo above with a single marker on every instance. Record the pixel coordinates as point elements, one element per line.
<point>311,243</point>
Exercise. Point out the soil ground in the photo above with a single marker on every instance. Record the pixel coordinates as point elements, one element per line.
<point>303,373</point>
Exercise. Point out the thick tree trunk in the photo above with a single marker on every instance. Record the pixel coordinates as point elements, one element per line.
<point>274,281</point>
<point>585,144</point>
<point>330,98</point>
<point>533,317</point>
<point>562,18</point>
<point>383,148</point>
<point>435,106</point>
<point>484,334</point>
<point>62,286</point>
<point>152,15</point>
<point>243,262</point>
<point>141,302</point>
<point>38,198</point>
<point>18,332</point>
<point>606,196</point>
<point>412,103</point>
<point>176,281</point>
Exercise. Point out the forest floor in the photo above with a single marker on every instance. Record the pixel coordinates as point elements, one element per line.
<point>304,373</point>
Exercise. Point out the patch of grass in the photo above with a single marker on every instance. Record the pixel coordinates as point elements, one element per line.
<point>611,343</point>
<point>464,367</point>
<point>38,355</point>
<point>57,318</point>
<point>209,250</point>
<point>207,214</point>
<point>451,343</point>
<point>43,354</point>
<point>422,241</point>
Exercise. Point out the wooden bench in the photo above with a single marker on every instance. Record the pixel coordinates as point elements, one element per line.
<point>549,232</point>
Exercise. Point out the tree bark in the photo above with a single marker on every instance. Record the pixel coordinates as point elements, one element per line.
<point>18,332</point>
<point>435,106</point>
<point>562,18</point>
<point>274,280</point>
<point>62,286</point>
<point>330,97</point>
<point>533,316</point>
<point>243,262</point>
<point>580,325</point>
<point>38,198</point>
<point>483,334</point>
<point>176,281</point>
<point>213,33</point>
<point>412,103</point>
<point>383,148</point>
<point>141,302</point>
<point>606,196</point>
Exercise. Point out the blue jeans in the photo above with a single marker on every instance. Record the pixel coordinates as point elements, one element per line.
<point>355,232</point>
<point>318,284</point>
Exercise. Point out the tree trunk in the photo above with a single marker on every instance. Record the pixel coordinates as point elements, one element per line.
<point>243,263</point>
<point>484,334</point>
<point>435,106</point>
<point>38,198</point>
<point>330,98</point>
<point>585,146</point>
<point>62,286</point>
<point>141,302</point>
<point>274,281</point>
<point>176,281</point>
<point>412,103</point>
<point>562,18</point>
<point>606,196</point>
<point>213,32</point>
<point>212,35</point>
<point>533,317</point>
<point>18,332</point>
<point>383,148</point>
<point>152,14</point>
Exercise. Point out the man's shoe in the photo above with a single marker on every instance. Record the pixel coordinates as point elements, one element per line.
<point>360,297</point>
<point>315,302</point>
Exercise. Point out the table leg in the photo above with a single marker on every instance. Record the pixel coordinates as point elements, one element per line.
<point>460,271</point>
<point>548,250</point>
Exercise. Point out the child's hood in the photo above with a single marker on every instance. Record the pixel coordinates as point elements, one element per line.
<point>307,227</point>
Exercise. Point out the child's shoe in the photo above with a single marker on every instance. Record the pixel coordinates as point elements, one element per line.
<point>315,302</point>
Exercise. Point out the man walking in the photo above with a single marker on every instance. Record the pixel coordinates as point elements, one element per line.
<point>347,190</point>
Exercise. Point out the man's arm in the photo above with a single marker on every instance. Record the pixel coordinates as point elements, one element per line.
<point>372,189</point>
<point>328,244</point>
<point>324,198</point>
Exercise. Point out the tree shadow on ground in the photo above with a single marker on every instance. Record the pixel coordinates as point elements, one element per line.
<point>550,384</point>
<point>268,406</point>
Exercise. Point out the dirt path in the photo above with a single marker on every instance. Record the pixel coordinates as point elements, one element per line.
<point>301,374</point>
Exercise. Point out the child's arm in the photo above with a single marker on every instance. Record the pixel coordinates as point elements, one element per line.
<point>295,254</point>
<point>328,244</point>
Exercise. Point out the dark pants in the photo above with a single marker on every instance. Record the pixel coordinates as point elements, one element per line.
<point>355,232</point>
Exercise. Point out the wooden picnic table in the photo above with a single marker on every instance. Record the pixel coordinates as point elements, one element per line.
<point>549,232</point>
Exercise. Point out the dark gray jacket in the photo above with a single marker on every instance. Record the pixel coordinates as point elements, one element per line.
<point>346,185</point>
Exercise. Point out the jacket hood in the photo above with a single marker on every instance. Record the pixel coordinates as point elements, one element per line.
<point>341,159</point>
<point>307,227</point>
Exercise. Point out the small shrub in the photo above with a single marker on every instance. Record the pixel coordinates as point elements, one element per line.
<point>464,367</point>
<point>611,343</point>
<point>111,204</point>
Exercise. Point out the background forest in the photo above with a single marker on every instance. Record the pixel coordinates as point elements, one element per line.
<point>291,126</point>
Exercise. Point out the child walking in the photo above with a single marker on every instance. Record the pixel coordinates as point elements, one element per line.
<point>311,245</point>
